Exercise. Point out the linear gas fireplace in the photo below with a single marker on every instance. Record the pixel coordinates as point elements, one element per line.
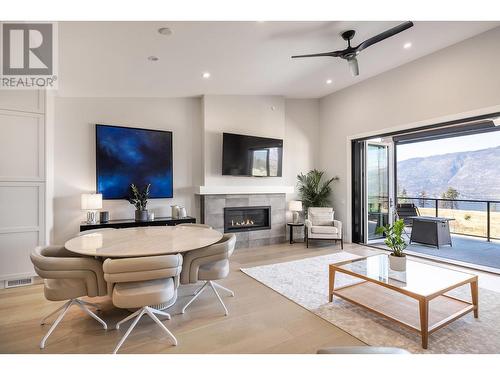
<point>229,213</point>
<point>244,219</point>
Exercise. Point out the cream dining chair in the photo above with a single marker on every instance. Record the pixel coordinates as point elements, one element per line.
<point>142,283</point>
<point>68,276</point>
<point>208,264</point>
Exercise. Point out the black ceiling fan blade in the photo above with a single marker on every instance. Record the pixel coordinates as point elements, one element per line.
<point>386,34</point>
<point>326,54</point>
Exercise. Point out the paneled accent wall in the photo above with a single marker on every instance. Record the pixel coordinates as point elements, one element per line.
<point>22,180</point>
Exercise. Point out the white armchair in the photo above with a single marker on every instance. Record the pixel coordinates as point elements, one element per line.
<point>321,225</point>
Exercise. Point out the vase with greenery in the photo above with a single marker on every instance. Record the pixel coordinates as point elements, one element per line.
<point>396,243</point>
<point>314,191</point>
<point>139,198</point>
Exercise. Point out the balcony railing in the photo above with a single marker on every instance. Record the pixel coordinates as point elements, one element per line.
<point>473,217</point>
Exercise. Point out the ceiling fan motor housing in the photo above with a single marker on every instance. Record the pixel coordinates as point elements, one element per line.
<point>348,35</point>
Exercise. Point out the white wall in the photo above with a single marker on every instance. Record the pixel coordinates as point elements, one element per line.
<point>461,78</point>
<point>301,139</point>
<point>262,116</point>
<point>301,143</point>
<point>74,152</point>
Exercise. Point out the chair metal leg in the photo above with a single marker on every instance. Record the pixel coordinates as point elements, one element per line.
<point>134,323</point>
<point>198,290</point>
<point>65,309</point>
<point>138,315</point>
<point>218,297</point>
<point>117,326</point>
<point>86,309</point>
<point>195,296</point>
<point>159,312</point>
<point>231,293</point>
<point>213,285</point>
<point>94,305</point>
<point>56,323</point>
<point>157,321</point>
<point>42,322</point>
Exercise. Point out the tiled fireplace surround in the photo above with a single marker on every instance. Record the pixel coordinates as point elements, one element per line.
<point>212,213</point>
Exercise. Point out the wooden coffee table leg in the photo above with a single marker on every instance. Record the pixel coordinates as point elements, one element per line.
<point>331,284</point>
<point>424,321</point>
<point>474,291</point>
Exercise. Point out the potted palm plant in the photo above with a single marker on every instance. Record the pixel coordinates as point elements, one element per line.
<point>139,199</point>
<point>395,241</point>
<point>313,190</point>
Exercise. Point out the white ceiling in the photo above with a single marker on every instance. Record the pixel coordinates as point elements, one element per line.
<point>244,58</point>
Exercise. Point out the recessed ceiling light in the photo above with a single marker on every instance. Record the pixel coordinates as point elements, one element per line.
<point>206,75</point>
<point>153,58</point>
<point>407,45</point>
<point>165,31</point>
<point>329,81</point>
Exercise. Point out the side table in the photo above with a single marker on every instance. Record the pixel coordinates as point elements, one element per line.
<point>291,226</point>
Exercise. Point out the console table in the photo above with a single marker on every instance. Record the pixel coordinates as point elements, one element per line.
<point>128,223</point>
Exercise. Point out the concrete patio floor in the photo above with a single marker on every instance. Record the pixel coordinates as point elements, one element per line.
<point>465,249</point>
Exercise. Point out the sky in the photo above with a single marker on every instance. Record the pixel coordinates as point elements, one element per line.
<point>449,145</point>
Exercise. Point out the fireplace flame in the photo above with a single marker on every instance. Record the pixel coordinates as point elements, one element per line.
<point>246,222</point>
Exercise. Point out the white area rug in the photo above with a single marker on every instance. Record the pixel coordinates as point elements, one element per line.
<point>305,282</point>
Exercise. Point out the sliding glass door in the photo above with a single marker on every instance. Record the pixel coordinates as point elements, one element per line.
<point>378,188</point>
<point>373,188</point>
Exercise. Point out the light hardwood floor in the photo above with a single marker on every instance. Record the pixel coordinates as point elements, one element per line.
<point>260,320</point>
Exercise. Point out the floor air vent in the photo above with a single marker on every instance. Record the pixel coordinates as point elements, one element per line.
<point>18,282</point>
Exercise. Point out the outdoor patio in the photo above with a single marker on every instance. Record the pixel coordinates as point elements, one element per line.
<point>467,249</point>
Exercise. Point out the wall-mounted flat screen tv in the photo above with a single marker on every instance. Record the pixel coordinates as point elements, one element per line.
<point>137,156</point>
<point>244,155</point>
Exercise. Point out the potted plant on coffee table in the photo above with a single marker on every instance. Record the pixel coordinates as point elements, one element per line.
<point>140,200</point>
<point>395,241</point>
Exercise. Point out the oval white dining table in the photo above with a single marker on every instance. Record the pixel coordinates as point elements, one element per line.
<point>143,241</point>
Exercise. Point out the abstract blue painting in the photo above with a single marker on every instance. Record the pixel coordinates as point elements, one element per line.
<point>127,156</point>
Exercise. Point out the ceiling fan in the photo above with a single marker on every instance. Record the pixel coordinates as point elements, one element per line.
<point>350,53</point>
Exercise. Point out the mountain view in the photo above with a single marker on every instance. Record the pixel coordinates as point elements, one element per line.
<point>474,174</point>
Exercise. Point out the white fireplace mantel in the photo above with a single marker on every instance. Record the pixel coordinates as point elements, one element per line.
<point>221,189</point>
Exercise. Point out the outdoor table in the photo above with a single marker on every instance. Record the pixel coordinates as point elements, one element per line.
<point>430,230</point>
